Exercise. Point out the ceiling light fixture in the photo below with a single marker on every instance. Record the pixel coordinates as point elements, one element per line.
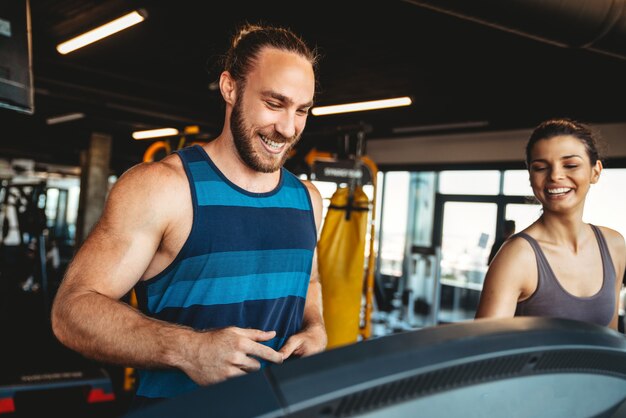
<point>440,127</point>
<point>361,106</point>
<point>155,133</point>
<point>103,31</point>
<point>64,118</point>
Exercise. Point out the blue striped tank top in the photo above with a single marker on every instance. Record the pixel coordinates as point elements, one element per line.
<point>246,263</point>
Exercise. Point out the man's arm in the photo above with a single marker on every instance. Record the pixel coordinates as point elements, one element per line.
<point>312,338</point>
<point>88,317</point>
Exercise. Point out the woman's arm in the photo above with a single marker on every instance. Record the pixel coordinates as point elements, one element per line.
<point>617,248</point>
<point>512,276</point>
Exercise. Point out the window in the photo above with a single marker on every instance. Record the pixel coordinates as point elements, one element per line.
<point>469,182</point>
<point>394,222</point>
<point>606,201</point>
<point>516,183</point>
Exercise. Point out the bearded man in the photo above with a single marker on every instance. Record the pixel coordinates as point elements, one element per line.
<point>218,241</point>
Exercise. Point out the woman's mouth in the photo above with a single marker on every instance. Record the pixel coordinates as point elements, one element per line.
<point>558,191</point>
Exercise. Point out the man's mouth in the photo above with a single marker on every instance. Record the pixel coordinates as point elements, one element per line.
<point>272,145</point>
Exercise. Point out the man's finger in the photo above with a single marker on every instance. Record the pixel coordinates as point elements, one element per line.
<point>249,364</point>
<point>235,371</point>
<point>266,353</point>
<point>290,346</point>
<point>256,334</point>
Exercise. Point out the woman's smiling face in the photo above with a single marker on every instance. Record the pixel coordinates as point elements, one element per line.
<point>561,172</point>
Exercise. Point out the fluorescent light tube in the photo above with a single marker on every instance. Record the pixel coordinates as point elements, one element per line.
<point>100,32</point>
<point>155,133</point>
<point>360,106</point>
<point>64,118</point>
<point>440,127</point>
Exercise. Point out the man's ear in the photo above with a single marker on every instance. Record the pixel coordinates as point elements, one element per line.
<point>228,88</point>
<point>595,172</point>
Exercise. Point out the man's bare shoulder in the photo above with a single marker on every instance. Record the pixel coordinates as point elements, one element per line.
<point>151,182</point>
<point>316,201</point>
<point>165,174</point>
<point>315,194</point>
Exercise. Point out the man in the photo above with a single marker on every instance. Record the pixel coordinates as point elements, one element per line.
<point>218,241</point>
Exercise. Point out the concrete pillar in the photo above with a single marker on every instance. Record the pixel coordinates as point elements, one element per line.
<point>94,184</point>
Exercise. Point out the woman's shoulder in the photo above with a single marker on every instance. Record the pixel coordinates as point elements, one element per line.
<point>513,269</point>
<point>617,248</point>
<point>614,239</point>
<point>522,240</point>
<point>516,251</point>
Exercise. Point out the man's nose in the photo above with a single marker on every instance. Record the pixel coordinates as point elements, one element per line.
<point>286,125</point>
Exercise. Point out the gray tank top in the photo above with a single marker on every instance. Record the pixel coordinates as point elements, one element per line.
<point>552,300</point>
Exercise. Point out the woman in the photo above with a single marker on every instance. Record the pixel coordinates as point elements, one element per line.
<point>559,266</point>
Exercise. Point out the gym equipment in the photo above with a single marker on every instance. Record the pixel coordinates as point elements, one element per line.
<point>347,282</point>
<point>69,392</point>
<point>343,234</point>
<point>39,377</point>
<point>513,367</point>
<point>161,149</point>
<point>25,259</point>
<point>28,202</point>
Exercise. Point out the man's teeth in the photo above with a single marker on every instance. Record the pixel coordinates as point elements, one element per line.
<point>271,143</point>
<point>559,190</point>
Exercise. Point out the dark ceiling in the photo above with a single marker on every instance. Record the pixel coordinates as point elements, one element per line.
<point>459,73</point>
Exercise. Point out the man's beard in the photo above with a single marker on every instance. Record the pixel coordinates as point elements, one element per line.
<point>243,139</point>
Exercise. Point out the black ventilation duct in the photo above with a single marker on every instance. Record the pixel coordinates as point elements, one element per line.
<point>595,25</point>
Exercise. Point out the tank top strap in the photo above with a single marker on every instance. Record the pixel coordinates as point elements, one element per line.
<point>607,261</point>
<point>541,257</point>
<point>191,154</point>
<point>545,274</point>
<point>193,158</point>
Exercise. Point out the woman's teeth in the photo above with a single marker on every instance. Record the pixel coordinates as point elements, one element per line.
<point>559,190</point>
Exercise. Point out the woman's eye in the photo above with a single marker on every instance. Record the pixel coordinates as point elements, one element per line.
<point>538,168</point>
<point>571,166</point>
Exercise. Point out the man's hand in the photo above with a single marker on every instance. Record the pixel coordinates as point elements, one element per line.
<point>311,340</point>
<point>229,352</point>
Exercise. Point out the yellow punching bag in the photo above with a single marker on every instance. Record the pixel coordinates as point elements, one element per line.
<point>341,257</point>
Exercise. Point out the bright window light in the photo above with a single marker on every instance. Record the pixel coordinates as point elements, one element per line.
<point>155,133</point>
<point>360,106</point>
<point>101,32</point>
